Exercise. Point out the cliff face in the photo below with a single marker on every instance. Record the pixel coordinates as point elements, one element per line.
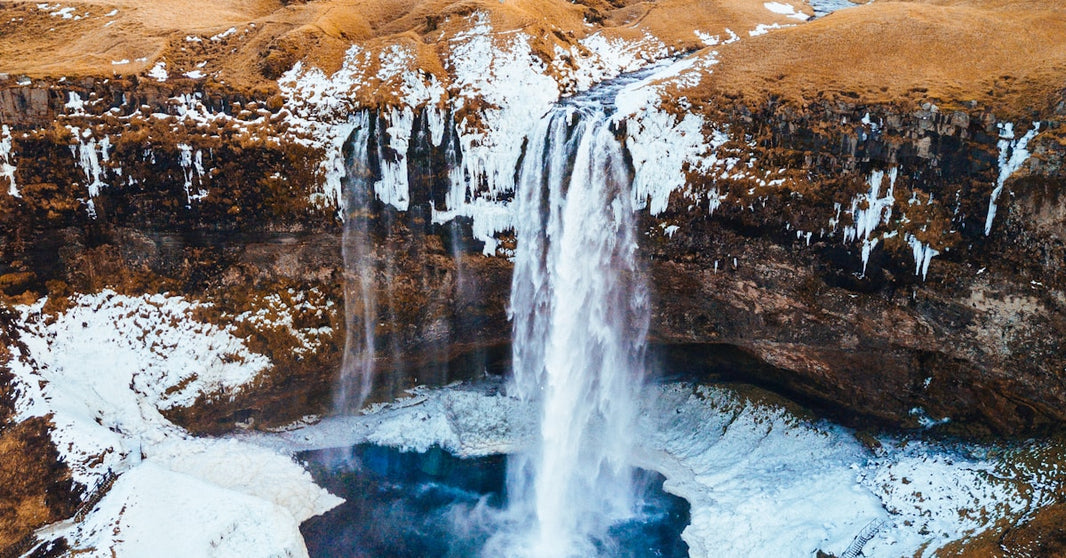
<point>967,333</point>
<point>874,254</point>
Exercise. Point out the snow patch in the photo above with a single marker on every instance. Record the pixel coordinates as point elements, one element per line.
<point>158,72</point>
<point>74,104</point>
<point>154,511</point>
<point>228,32</point>
<point>7,161</point>
<point>65,13</point>
<point>764,28</point>
<point>787,10</point>
<point>598,58</point>
<point>111,363</point>
<point>104,370</point>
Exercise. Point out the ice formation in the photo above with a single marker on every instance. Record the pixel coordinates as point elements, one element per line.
<point>1012,155</point>
<point>7,167</point>
<point>869,211</point>
<point>192,166</point>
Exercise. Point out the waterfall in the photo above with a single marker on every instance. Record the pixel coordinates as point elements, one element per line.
<point>380,244</point>
<point>357,364</point>
<point>580,318</point>
<point>579,308</point>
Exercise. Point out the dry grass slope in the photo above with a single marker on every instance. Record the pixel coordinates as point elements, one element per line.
<point>128,37</point>
<point>1007,55</point>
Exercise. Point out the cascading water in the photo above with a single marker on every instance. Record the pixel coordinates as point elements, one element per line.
<point>579,308</point>
<point>580,315</point>
<point>357,365</point>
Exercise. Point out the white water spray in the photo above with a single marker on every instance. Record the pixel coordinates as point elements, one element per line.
<point>357,365</point>
<point>580,314</point>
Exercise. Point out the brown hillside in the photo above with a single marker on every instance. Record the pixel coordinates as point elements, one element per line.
<point>128,37</point>
<point>1005,54</point>
<point>92,35</point>
<point>1008,55</point>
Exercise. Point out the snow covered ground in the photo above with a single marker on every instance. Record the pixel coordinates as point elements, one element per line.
<point>761,482</point>
<point>104,370</point>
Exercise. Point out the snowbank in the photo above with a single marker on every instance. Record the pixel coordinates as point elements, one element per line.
<point>104,369</point>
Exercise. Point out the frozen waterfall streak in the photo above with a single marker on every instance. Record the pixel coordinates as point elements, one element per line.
<point>360,304</point>
<point>580,313</point>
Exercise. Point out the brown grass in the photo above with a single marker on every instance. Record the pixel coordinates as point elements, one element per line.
<point>37,42</point>
<point>271,36</point>
<point>1007,55</point>
<point>35,488</point>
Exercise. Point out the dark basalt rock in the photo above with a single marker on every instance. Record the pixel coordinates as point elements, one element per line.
<point>979,341</point>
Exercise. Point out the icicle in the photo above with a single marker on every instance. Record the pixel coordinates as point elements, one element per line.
<point>867,247</point>
<point>714,200</point>
<point>88,160</point>
<point>878,211</point>
<point>393,188</point>
<point>1012,155</point>
<point>923,254</point>
<point>193,168</point>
